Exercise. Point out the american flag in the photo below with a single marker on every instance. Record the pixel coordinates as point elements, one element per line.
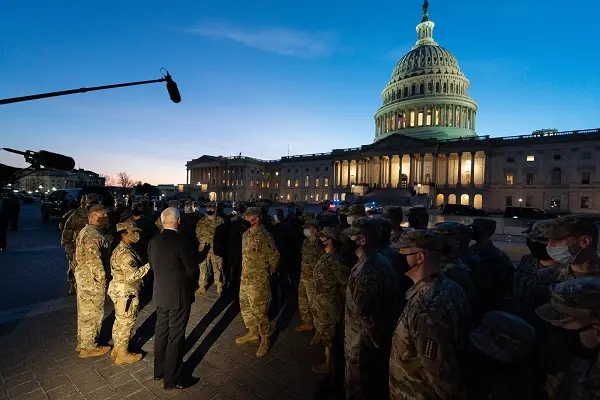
<point>402,119</point>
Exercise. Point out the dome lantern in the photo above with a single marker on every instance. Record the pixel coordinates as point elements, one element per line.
<point>425,29</point>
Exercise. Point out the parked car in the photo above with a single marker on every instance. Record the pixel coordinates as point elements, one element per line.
<point>57,203</point>
<point>373,208</point>
<point>527,213</point>
<point>465,210</point>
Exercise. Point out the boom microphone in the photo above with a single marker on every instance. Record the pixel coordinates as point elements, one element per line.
<point>172,89</point>
<point>54,160</point>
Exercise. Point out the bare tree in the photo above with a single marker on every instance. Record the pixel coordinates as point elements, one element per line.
<point>125,180</point>
<point>108,180</point>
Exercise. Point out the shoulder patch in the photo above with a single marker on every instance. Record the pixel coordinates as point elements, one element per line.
<point>358,297</point>
<point>429,349</point>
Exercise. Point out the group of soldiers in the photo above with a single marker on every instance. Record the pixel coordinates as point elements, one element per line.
<point>402,313</point>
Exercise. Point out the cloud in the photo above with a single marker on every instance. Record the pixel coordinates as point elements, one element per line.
<point>276,40</point>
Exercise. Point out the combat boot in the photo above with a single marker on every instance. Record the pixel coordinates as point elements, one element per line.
<point>219,289</point>
<point>94,352</point>
<point>305,327</point>
<point>324,368</point>
<point>122,356</point>
<point>200,291</point>
<point>315,340</point>
<point>263,349</point>
<point>250,337</point>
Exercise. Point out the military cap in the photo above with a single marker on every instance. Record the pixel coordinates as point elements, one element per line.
<point>576,298</point>
<point>384,223</point>
<point>394,213</point>
<point>416,212</point>
<point>344,209</point>
<point>253,211</point>
<point>503,337</point>
<point>425,239</point>
<point>483,223</point>
<point>360,225</point>
<point>356,209</point>
<point>127,226</point>
<point>173,203</point>
<point>571,225</point>
<point>538,231</point>
<point>211,204</point>
<point>311,222</point>
<point>93,198</point>
<point>454,228</point>
<point>331,233</point>
<point>97,208</point>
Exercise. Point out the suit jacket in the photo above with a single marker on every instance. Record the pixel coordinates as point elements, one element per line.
<point>176,271</point>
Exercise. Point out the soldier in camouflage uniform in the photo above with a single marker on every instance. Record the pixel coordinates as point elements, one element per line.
<point>311,253</point>
<point>501,359</point>
<point>355,211</point>
<point>430,339</point>
<point>260,260</point>
<point>452,266</point>
<point>343,216</point>
<point>72,225</point>
<point>124,289</point>
<point>418,218</point>
<point>330,280</point>
<point>371,312</point>
<point>575,306</point>
<point>394,215</point>
<point>171,203</point>
<point>500,267</point>
<point>92,256</point>
<point>205,233</point>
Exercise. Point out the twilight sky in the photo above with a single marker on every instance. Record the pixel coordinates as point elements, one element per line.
<point>257,77</point>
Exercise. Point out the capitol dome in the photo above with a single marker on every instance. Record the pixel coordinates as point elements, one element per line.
<point>427,95</point>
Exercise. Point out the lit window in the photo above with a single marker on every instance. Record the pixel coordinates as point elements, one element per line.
<point>509,179</point>
<point>277,173</point>
<point>585,202</point>
<point>326,182</point>
<point>530,158</point>
<point>317,182</point>
<point>296,183</point>
<point>306,181</point>
<point>289,183</point>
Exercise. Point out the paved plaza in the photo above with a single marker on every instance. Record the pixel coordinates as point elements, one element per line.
<point>38,330</point>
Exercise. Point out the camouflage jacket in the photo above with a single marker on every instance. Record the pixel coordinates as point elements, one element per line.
<point>331,279</point>
<point>260,257</point>
<point>458,271</point>
<point>205,230</point>
<point>92,256</point>
<point>311,253</point>
<point>127,272</point>
<point>63,220</point>
<point>582,381</point>
<point>76,222</point>
<point>430,341</point>
<point>371,306</point>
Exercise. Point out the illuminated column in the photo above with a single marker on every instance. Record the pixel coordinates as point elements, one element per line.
<point>472,169</point>
<point>447,167</point>
<point>401,156</point>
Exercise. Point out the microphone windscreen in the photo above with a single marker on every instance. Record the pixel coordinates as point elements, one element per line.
<point>173,90</point>
<point>55,161</point>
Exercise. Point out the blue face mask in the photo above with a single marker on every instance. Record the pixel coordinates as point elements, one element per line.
<point>562,254</point>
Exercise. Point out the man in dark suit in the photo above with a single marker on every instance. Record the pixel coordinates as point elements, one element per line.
<point>176,275</point>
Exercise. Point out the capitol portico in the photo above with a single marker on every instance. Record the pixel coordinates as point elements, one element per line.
<point>425,144</point>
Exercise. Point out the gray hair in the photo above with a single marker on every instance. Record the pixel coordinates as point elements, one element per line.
<point>169,216</point>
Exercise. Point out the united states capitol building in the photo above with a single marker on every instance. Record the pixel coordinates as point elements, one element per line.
<point>425,143</point>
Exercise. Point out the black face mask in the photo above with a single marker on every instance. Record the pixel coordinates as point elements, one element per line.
<point>210,212</point>
<point>538,250</point>
<point>478,235</point>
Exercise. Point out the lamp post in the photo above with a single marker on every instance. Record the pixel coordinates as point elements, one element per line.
<point>171,88</point>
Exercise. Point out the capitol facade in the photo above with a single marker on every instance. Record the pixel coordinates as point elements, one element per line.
<point>425,143</point>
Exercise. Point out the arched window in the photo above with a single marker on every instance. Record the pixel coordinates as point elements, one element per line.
<point>464,199</point>
<point>413,90</point>
<point>478,201</point>
<point>556,176</point>
<point>452,199</point>
<point>421,88</point>
<point>430,87</point>
<point>405,91</point>
<point>437,87</point>
<point>306,181</point>
<point>445,87</point>
<point>452,88</point>
<point>439,200</point>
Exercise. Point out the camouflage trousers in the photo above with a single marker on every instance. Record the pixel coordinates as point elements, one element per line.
<point>214,262</point>
<point>90,312</point>
<point>367,368</point>
<point>327,325</point>
<point>254,306</point>
<point>71,275</point>
<point>126,310</point>
<point>306,300</point>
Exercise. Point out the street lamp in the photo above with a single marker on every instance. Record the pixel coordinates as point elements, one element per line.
<point>521,203</point>
<point>40,187</point>
<point>171,88</point>
<point>418,188</point>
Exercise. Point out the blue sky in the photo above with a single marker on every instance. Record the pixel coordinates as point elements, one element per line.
<point>257,77</point>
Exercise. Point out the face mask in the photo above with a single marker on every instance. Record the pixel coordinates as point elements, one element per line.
<point>134,236</point>
<point>562,254</point>
<point>349,219</point>
<point>538,250</point>
<point>210,212</point>
<point>307,232</point>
